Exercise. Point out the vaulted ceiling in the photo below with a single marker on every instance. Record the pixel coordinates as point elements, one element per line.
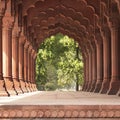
<point>80,19</point>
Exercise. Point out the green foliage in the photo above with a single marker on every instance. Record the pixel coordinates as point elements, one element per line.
<point>49,86</point>
<point>59,63</point>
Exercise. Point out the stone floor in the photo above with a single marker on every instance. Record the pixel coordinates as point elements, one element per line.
<point>61,98</point>
<point>60,105</point>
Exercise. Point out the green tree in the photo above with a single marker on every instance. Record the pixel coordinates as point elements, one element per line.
<point>59,63</point>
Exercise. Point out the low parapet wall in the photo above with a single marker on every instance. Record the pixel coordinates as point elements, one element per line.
<point>60,111</point>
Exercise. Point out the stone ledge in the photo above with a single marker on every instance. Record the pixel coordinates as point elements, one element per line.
<point>60,111</point>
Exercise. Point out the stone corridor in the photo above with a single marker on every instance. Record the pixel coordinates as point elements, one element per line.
<point>94,24</point>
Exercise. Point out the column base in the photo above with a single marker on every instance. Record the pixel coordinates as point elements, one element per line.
<point>114,87</point>
<point>98,87</point>
<point>30,84</point>
<point>3,91</point>
<point>118,93</point>
<point>17,86</point>
<point>92,87</point>
<point>23,86</point>
<point>86,86</point>
<point>28,87</point>
<point>89,87</point>
<point>105,86</point>
<point>9,85</point>
<point>83,88</point>
<point>35,87</point>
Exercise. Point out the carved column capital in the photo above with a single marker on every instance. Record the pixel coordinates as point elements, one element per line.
<point>30,48</point>
<point>105,32</point>
<point>2,8</point>
<point>114,22</point>
<point>32,53</point>
<point>8,22</point>
<point>99,39</point>
<point>1,12</point>
<point>26,45</point>
<point>15,32</point>
<point>104,28</point>
<point>22,39</point>
<point>35,55</point>
<point>19,1</point>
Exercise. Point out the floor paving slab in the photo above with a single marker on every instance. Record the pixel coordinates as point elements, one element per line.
<point>60,105</point>
<point>61,98</point>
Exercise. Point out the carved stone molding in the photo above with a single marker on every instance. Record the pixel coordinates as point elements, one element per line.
<point>60,111</point>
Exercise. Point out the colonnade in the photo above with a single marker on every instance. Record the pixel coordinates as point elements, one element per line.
<point>24,24</point>
<point>17,56</point>
<point>105,62</point>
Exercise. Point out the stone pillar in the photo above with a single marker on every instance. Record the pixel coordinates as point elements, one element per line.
<point>118,92</point>
<point>34,70</point>
<point>29,66</point>
<point>15,62</point>
<point>31,78</point>
<point>26,65</point>
<point>3,92</point>
<point>107,61</point>
<point>94,70</point>
<point>90,71</point>
<point>7,54</point>
<point>21,64</point>
<point>87,72</point>
<point>115,78</point>
<point>83,87</point>
<point>99,67</point>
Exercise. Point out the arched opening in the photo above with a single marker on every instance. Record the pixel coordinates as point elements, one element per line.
<point>59,64</point>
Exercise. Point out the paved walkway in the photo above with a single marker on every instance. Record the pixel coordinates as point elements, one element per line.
<point>60,98</point>
<point>60,105</point>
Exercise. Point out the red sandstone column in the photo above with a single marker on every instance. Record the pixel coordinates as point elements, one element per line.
<point>94,70</point>
<point>26,65</point>
<point>15,62</point>
<point>99,67</point>
<point>21,63</point>
<point>7,54</point>
<point>115,48</point>
<point>31,62</point>
<point>119,93</point>
<point>90,71</point>
<point>3,92</point>
<point>87,72</point>
<point>31,77</point>
<point>34,70</point>
<point>29,67</point>
<point>107,62</point>
<point>83,88</point>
